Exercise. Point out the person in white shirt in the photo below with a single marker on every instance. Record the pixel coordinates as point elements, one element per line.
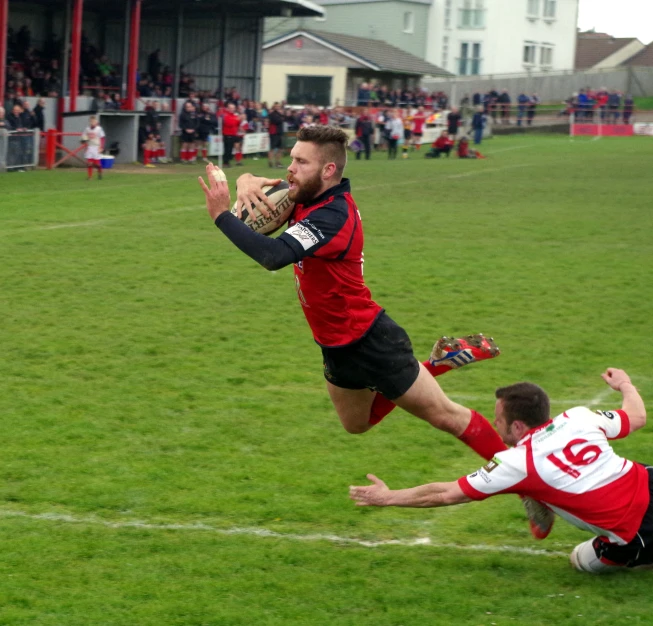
<point>394,128</point>
<point>567,464</point>
<point>93,136</point>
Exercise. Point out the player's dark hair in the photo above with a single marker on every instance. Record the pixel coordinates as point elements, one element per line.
<point>525,402</point>
<point>333,142</point>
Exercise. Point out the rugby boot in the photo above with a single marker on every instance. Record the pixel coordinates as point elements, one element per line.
<point>540,517</point>
<point>458,352</point>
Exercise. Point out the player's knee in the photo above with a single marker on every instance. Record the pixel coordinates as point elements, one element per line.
<point>355,426</point>
<point>584,558</point>
<point>356,429</point>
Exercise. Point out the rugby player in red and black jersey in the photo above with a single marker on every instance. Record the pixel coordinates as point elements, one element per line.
<point>369,364</point>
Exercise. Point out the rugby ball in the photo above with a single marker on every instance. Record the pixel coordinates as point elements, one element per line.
<point>267,225</point>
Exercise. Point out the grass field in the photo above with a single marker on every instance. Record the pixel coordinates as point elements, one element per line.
<point>170,456</point>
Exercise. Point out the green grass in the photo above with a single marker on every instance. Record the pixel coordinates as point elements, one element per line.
<point>152,373</point>
<point>644,104</point>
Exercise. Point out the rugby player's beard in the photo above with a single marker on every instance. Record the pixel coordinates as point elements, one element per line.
<point>306,191</point>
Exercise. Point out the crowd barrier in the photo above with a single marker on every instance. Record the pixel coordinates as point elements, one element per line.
<point>19,149</point>
<point>53,143</point>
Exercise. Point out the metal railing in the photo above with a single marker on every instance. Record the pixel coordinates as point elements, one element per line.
<point>19,149</point>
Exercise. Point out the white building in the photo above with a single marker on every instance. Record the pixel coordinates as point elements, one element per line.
<point>469,37</point>
<point>461,36</point>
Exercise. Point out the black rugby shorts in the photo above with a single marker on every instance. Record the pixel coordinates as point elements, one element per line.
<point>640,550</point>
<point>382,360</point>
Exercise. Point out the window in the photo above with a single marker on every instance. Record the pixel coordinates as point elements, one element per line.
<point>546,55</point>
<point>445,52</point>
<point>409,22</point>
<point>533,9</point>
<point>472,15</point>
<point>469,63</point>
<point>309,90</point>
<point>447,14</point>
<point>530,49</point>
<point>550,9</point>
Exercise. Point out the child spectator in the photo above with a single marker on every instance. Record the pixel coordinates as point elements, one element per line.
<point>94,137</point>
<point>189,124</point>
<point>150,150</point>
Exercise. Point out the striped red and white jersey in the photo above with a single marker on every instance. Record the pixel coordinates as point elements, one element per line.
<point>569,465</point>
<point>329,276</point>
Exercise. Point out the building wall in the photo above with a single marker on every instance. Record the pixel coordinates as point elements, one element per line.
<point>274,79</point>
<point>310,53</point>
<point>507,28</point>
<point>383,20</point>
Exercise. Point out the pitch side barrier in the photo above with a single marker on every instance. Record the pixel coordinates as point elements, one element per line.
<point>593,122</point>
<point>19,149</point>
<point>54,145</point>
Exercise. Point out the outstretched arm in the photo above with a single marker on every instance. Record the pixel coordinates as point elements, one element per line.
<point>431,495</point>
<point>632,402</point>
<point>272,254</point>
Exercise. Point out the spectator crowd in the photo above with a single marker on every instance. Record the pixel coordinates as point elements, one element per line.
<point>606,106</point>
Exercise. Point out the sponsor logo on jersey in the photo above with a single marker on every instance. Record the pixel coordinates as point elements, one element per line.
<point>609,414</point>
<point>304,235</point>
<point>492,465</point>
<point>315,228</point>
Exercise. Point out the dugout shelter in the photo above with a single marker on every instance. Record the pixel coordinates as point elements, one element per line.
<point>219,42</point>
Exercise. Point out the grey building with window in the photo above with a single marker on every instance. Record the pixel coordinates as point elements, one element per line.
<point>325,69</point>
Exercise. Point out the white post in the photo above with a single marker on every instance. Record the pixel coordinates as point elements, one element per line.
<point>220,152</point>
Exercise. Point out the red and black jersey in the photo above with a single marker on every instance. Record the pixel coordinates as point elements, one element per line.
<point>327,236</point>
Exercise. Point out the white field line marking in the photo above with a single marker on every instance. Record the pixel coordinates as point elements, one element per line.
<point>49,192</point>
<point>94,223</point>
<point>262,532</point>
<point>89,224</point>
<point>435,179</point>
<point>601,397</point>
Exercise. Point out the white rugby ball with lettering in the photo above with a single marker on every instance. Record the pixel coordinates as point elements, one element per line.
<point>267,225</point>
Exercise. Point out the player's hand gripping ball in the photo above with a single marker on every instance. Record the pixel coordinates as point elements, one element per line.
<point>283,208</point>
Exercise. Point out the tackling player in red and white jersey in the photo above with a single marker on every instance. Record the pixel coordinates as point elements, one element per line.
<point>566,463</point>
<point>93,136</point>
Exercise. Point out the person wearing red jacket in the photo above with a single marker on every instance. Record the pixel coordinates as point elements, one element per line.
<point>442,145</point>
<point>230,127</point>
<point>465,153</point>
